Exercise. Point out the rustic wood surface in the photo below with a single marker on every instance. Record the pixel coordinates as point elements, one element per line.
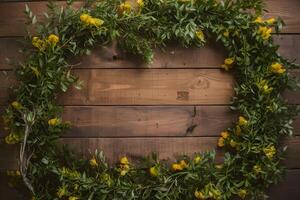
<point>173,56</point>
<point>146,87</point>
<point>168,148</point>
<point>129,108</point>
<point>148,121</point>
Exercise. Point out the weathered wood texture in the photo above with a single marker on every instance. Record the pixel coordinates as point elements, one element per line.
<point>148,121</point>
<point>146,87</point>
<point>168,148</point>
<point>173,56</point>
<point>128,109</point>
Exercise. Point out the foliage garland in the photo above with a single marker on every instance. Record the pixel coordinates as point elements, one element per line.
<point>252,152</point>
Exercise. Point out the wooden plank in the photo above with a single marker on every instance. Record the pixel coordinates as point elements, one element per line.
<point>289,46</point>
<point>168,148</point>
<point>7,192</point>
<point>145,121</point>
<point>7,79</point>
<point>148,121</point>
<point>147,87</point>
<point>9,157</point>
<point>144,87</point>
<point>173,56</point>
<point>12,13</point>
<point>293,97</point>
<point>288,10</point>
<point>287,189</point>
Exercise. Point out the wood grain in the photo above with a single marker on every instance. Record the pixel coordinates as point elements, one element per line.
<point>147,121</point>
<point>12,13</point>
<point>147,87</point>
<point>288,10</point>
<point>173,56</point>
<point>143,87</point>
<point>288,188</point>
<point>168,148</point>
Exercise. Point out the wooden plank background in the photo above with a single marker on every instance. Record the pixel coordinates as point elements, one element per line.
<point>128,108</point>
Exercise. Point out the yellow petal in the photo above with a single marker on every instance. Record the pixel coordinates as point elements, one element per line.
<point>124,161</point>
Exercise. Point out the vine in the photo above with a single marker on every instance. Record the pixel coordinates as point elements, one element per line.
<point>49,170</point>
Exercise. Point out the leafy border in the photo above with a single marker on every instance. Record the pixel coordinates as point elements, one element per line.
<point>252,151</point>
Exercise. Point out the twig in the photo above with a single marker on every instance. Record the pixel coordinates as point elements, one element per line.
<point>23,161</point>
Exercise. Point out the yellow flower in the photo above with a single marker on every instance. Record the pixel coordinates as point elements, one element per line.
<point>18,173</point>
<point>125,7</point>
<point>270,151</point>
<point>13,173</point>
<point>226,33</point>
<point>123,172</point>
<point>12,138</point>
<point>124,169</point>
<point>183,164</point>
<point>242,121</point>
<point>199,195</point>
<point>263,86</point>
<point>140,3</point>
<point>53,122</point>
<point>177,167</point>
<point>277,68</point>
<point>200,35</point>
<point>16,105</point>
<point>265,32</point>
<point>62,191</point>
<point>93,162</point>
<point>228,63</point>
<point>85,17</point>
<point>124,161</point>
<point>124,166</point>
<point>69,172</point>
<point>242,193</point>
<point>224,134</point>
<point>259,20</point>
<point>233,143</point>
<point>197,159</point>
<point>154,171</point>
<point>95,22</point>
<point>73,198</point>
<point>53,39</point>
<point>91,21</point>
<point>221,142</point>
<point>38,43</point>
<point>238,130</point>
<point>257,169</point>
<point>271,21</point>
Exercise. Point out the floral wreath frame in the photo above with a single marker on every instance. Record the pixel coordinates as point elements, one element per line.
<point>252,151</point>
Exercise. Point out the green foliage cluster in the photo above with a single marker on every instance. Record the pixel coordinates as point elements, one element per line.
<point>252,152</point>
